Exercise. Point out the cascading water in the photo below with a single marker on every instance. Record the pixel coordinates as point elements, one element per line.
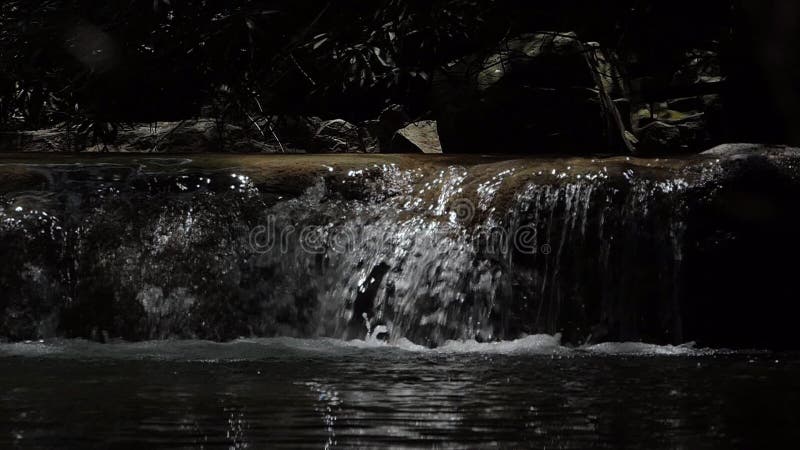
<point>486,249</point>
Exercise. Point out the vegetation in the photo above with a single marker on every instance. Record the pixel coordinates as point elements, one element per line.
<point>93,66</point>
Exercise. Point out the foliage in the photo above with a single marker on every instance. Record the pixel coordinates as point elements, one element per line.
<point>94,65</point>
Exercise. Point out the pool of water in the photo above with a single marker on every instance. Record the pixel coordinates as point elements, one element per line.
<point>292,393</point>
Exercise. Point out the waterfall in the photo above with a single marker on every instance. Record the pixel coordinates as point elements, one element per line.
<point>427,249</point>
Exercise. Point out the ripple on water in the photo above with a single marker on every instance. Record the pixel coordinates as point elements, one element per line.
<point>268,348</point>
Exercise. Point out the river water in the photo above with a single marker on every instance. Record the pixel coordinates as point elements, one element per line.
<point>290,393</point>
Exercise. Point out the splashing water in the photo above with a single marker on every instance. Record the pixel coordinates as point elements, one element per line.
<point>431,252</point>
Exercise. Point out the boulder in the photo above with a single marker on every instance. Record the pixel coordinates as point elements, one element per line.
<point>537,93</point>
<point>743,150</point>
<point>341,136</point>
<point>658,138</point>
<point>418,137</point>
<point>666,136</point>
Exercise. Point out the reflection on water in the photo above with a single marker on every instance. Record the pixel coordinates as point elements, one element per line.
<point>295,394</point>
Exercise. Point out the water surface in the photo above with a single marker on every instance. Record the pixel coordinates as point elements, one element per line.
<point>326,393</point>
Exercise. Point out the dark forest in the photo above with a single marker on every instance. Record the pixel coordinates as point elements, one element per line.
<point>708,72</point>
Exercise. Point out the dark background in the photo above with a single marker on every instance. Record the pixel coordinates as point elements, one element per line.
<point>102,63</point>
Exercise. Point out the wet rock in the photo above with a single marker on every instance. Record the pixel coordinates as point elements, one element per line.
<point>537,93</point>
<point>340,136</point>
<point>744,233</point>
<point>659,138</point>
<point>731,150</point>
<point>418,137</point>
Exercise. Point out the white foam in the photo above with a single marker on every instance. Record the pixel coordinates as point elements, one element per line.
<point>264,348</point>
<point>538,344</point>
<point>29,348</point>
<point>642,349</point>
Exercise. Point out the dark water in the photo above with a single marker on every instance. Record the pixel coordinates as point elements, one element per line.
<point>323,393</point>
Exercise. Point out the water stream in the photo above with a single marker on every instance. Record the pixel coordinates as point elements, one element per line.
<point>492,249</point>
<point>398,301</point>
